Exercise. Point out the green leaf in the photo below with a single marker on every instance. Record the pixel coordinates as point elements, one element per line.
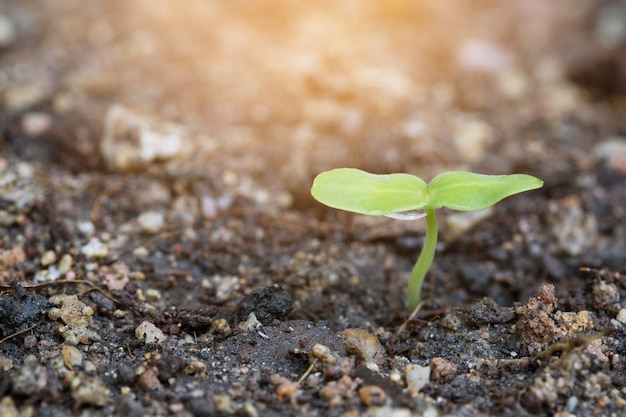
<point>361,192</point>
<point>467,191</point>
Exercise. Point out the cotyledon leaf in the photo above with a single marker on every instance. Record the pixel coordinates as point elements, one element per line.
<point>467,191</point>
<point>375,195</point>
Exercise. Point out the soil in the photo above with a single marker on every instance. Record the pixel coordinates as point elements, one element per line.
<point>160,253</point>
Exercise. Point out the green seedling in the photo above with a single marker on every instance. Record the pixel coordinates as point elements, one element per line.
<point>407,197</point>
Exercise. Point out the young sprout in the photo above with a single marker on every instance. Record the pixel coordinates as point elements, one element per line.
<point>408,197</point>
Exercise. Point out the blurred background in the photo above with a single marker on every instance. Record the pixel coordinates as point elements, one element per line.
<point>278,90</point>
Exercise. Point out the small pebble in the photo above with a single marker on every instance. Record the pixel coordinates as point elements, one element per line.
<point>151,221</point>
<point>36,123</point>
<point>76,316</point>
<point>65,264</point>
<point>371,395</point>
<point>30,342</point>
<point>442,370</point>
<point>574,227</point>
<point>86,228</point>
<point>31,378</point>
<point>621,316</point>
<point>48,258</point>
<point>365,344</point>
<point>71,357</point>
<point>250,324</point>
<point>416,377</point>
<point>149,332</point>
<point>195,368</point>
<point>149,379</point>
<point>95,249</point>
<point>8,408</point>
<point>132,140</point>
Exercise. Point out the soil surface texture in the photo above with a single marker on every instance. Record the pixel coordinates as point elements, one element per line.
<point>161,254</point>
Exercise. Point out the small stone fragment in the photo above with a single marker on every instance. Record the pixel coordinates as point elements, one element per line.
<point>575,322</point>
<point>365,344</point>
<point>95,249</point>
<point>442,370</point>
<point>149,332</point>
<point>224,404</point>
<point>250,324</point>
<point>48,258</point>
<point>372,395</point>
<point>574,228</point>
<point>195,368</point>
<point>31,378</point>
<point>76,316</point>
<point>416,377</point>
<point>11,256</point>
<point>65,264</point>
<point>8,408</point>
<point>89,390</point>
<point>226,287</point>
<point>71,357</point>
<point>621,316</point>
<point>536,324</point>
<point>149,379</point>
<point>323,353</point>
<point>30,341</point>
<point>334,391</point>
<point>605,294</point>
<point>151,221</point>
<point>222,326</point>
<point>132,141</point>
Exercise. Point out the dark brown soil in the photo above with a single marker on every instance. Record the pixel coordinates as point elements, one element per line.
<point>160,253</point>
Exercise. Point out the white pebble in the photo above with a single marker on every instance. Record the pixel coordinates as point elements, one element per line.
<point>416,377</point>
<point>95,249</point>
<point>65,264</point>
<point>149,332</point>
<point>621,316</point>
<point>151,221</point>
<point>48,258</point>
<point>250,324</point>
<point>86,228</point>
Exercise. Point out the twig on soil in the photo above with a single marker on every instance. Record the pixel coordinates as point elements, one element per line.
<point>4,339</point>
<point>308,371</point>
<point>411,317</point>
<point>578,341</point>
